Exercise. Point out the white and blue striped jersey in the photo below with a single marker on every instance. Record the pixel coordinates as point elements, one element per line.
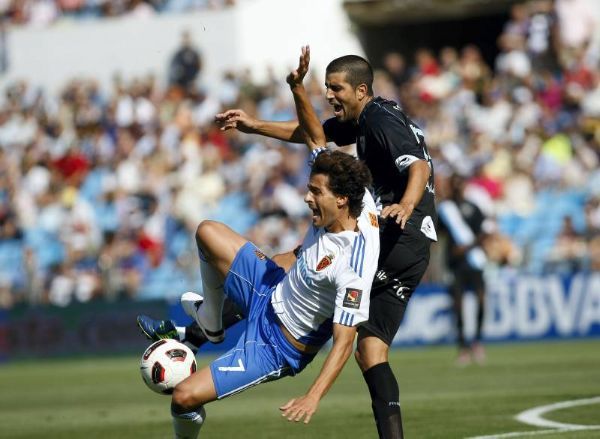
<point>331,280</point>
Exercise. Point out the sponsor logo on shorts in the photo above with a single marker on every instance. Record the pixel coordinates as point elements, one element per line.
<point>400,289</point>
<point>352,298</point>
<point>325,262</point>
<point>373,219</point>
<point>260,255</point>
<point>381,276</point>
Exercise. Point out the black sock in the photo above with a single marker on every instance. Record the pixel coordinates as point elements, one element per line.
<point>385,400</point>
<point>231,315</point>
<point>480,310</point>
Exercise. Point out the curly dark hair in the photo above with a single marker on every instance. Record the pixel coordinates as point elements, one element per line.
<point>348,177</point>
<point>357,69</point>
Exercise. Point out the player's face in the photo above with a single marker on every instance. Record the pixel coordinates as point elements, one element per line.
<point>325,205</point>
<point>344,98</point>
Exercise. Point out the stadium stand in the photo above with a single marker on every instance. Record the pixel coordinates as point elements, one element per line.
<point>50,12</point>
<point>101,190</point>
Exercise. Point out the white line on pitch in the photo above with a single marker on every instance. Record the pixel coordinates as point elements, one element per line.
<point>534,417</point>
<point>533,433</point>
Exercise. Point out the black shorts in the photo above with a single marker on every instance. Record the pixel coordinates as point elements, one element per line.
<point>464,278</point>
<point>403,259</point>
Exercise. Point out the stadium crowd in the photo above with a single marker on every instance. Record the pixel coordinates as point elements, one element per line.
<point>47,12</point>
<point>101,190</point>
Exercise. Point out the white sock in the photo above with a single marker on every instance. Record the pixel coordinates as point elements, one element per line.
<point>180,332</point>
<point>210,312</point>
<point>187,425</point>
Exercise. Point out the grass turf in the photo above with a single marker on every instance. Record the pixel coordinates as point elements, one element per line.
<point>105,397</point>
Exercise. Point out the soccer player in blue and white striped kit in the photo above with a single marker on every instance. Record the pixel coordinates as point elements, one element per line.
<point>290,316</point>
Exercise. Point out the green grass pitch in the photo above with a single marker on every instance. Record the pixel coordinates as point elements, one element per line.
<point>105,397</point>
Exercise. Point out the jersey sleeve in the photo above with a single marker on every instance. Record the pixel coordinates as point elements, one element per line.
<point>401,137</point>
<point>352,293</point>
<point>340,133</point>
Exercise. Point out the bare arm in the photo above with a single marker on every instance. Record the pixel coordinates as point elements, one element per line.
<point>305,406</point>
<point>288,131</point>
<point>285,260</point>
<point>418,174</point>
<point>309,122</point>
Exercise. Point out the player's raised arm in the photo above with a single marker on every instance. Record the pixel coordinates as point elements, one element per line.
<point>309,122</point>
<point>303,407</point>
<point>288,131</point>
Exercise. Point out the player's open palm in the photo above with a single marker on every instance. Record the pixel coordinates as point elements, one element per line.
<point>297,76</point>
<point>300,408</point>
<point>400,211</point>
<point>237,119</point>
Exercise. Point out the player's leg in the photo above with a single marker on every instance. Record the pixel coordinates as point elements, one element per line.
<point>218,246</point>
<point>191,335</point>
<point>479,288</point>
<point>402,267</point>
<point>372,357</point>
<point>456,289</point>
<point>374,338</point>
<point>187,403</point>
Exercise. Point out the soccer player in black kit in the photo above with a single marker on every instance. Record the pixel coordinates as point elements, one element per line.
<point>394,149</point>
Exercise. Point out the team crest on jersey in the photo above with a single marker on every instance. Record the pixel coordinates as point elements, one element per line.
<point>352,298</point>
<point>373,219</point>
<point>260,255</point>
<point>325,262</point>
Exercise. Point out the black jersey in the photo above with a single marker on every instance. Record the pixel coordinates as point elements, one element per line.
<point>460,223</point>
<point>389,142</point>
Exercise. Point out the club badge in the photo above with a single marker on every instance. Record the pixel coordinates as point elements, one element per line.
<point>260,255</point>
<point>373,219</point>
<point>324,263</point>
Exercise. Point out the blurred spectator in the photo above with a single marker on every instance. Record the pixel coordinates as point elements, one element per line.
<point>569,251</point>
<point>47,12</point>
<point>518,24</point>
<point>462,221</point>
<point>541,35</point>
<point>185,64</point>
<point>3,46</point>
<point>100,190</point>
<point>395,65</point>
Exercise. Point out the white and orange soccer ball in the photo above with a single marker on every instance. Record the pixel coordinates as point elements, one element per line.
<point>165,364</point>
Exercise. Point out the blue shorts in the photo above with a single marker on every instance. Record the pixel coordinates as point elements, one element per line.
<point>262,353</point>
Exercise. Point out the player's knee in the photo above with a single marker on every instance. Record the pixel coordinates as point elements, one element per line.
<point>371,354</point>
<point>203,231</point>
<point>205,234</point>
<point>183,398</point>
<point>359,360</point>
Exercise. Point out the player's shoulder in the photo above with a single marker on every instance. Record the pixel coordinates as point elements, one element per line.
<point>339,242</point>
<point>384,117</point>
<point>332,124</point>
<point>368,201</point>
<point>342,133</point>
<point>381,111</point>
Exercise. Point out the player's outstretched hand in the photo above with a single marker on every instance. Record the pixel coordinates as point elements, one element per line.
<point>237,119</point>
<point>296,77</point>
<point>400,211</point>
<point>300,408</point>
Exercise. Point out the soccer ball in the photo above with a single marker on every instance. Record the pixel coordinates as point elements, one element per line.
<point>165,364</point>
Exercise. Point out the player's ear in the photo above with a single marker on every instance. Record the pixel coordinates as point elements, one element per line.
<point>341,201</point>
<point>361,91</point>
